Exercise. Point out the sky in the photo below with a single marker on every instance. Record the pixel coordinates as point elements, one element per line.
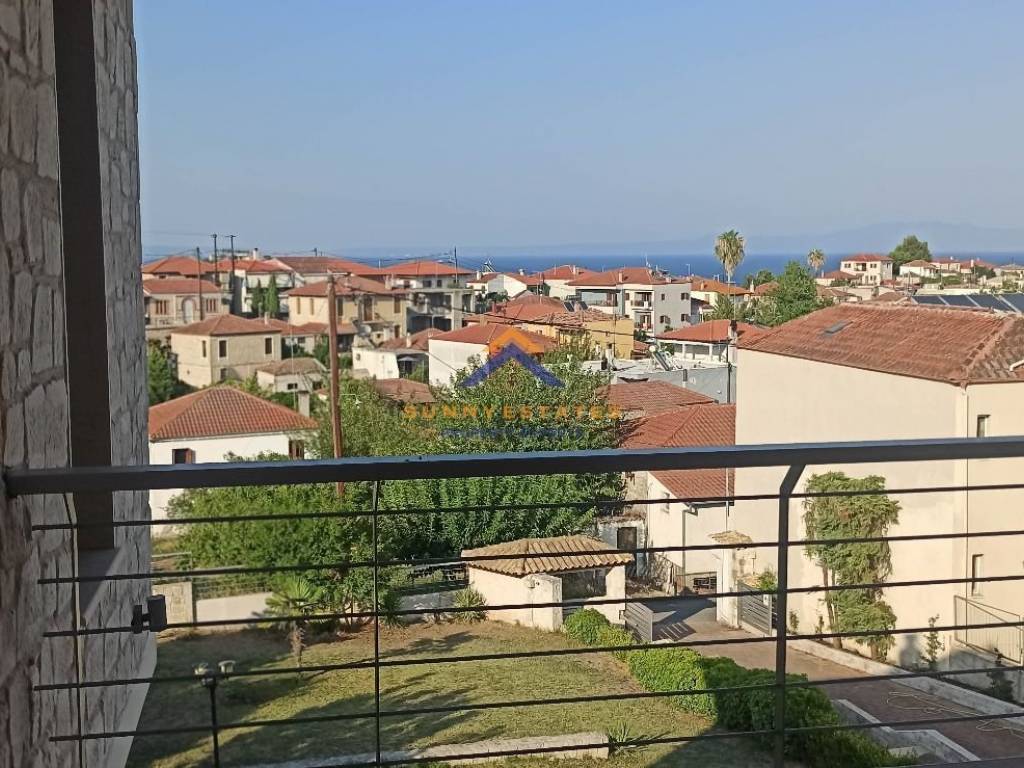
<point>371,124</point>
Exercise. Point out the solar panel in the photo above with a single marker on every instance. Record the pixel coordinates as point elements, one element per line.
<point>930,300</point>
<point>1015,300</point>
<point>959,301</point>
<point>988,301</point>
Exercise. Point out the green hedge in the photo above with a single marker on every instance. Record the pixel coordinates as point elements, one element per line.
<point>615,635</point>
<point>583,626</point>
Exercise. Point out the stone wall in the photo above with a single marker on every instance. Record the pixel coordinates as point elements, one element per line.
<point>33,386</point>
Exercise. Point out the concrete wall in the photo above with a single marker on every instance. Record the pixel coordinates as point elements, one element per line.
<point>34,418</point>
<point>245,353</point>
<point>449,357</point>
<point>378,363</point>
<point>208,450</point>
<point>819,402</point>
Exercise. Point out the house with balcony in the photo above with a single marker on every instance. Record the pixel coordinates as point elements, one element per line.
<point>712,341</point>
<point>438,293</point>
<point>652,299</point>
<point>868,269</point>
<point>368,309</point>
<point>224,347</point>
<point>878,371</point>
<point>176,301</point>
<point>568,322</point>
<point>217,424</point>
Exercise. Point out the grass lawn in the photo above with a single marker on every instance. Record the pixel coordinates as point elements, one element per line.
<point>345,691</point>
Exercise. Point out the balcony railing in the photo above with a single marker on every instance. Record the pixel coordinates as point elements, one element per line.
<point>386,704</point>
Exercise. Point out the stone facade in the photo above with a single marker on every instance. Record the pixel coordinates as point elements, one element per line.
<point>34,397</point>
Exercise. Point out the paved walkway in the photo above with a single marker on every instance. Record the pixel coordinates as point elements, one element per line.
<point>886,700</point>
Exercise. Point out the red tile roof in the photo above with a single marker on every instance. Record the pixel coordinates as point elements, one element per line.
<point>425,269</point>
<point>345,285</point>
<point>763,288</point>
<point>415,341</point>
<point>700,425</point>
<point>186,266</point>
<point>564,272</point>
<point>403,391</point>
<point>543,313</point>
<point>222,411</point>
<point>709,285</point>
<point>179,286</point>
<point>838,274</point>
<point>651,397</point>
<point>485,334</point>
<point>866,257</point>
<point>918,263</point>
<point>945,345</point>
<point>322,265</point>
<point>227,325</point>
<point>556,554</point>
<point>614,277</point>
<point>710,331</point>
<point>304,329</point>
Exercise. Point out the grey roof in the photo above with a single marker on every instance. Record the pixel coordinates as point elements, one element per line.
<point>293,366</point>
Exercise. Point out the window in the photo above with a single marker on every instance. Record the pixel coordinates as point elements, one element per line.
<point>626,295</point>
<point>160,307</point>
<point>296,449</point>
<point>982,430</point>
<point>682,318</point>
<point>268,345</point>
<point>204,348</point>
<point>223,374</point>
<point>977,572</point>
<point>663,297</point>
<point>665,506</point>
<point>397,306</point>
<point>211,305</point>
<point>183,456</point>
<point>292,386</point>
<point>222,348</point>
<point>427,283</point>
<point>578,585</point>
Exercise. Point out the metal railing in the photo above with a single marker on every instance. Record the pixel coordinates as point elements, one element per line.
<point>378,471</point>
<point>1006,640</point>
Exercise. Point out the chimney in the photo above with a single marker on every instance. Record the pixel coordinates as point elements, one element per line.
<point>622,276</point>
<point>256,253</point>
<point>302,402</point>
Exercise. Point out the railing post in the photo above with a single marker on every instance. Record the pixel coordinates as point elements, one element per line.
<point>781,610</point>
<point>376,625</point>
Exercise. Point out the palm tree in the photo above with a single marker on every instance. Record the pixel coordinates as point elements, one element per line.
<point>729,251</point>
<point>816,259</point>
<point>298,600</point>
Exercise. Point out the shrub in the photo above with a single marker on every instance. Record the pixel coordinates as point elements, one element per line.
<point>583,626</point>
<point>674,669</point>
<point>389,601</point>
<point>468,598</point>
<point>615,635</point>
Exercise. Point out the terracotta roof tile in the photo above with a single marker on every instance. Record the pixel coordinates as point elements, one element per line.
<point>485,334</point>
<point>564,272</point>
<point>226,325</point>
<point>179,286</point>
<point>623,275</point>
<point>709,331</point>
<point>222,411</point>
<point>403,390</point>
<point>346,285</point>
<point>709,285</point>
<point>647,398</point>
<point>186,266</point>
<point>294,366</point>
<point>425,269</point>
<point>321,265</point>
<point>303,329</point>
<point>415,341</point>
<point>550,555</point>
<point>946,345</point>
<point>866,257</point>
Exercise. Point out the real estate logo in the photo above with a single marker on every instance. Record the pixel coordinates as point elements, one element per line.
<point>513,346</point>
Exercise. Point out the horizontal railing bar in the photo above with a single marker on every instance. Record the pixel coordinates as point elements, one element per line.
<point>21,482</point>
<point>385,512</point>
<point>581,603</point>
<point>323,668</point>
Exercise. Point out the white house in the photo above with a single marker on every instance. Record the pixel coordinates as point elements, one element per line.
<point>548,570</point>
<point>710,341</point>
<point>653,299</point>
<point>209,425</point>
<point>691,509</point>
<point>555,280</point>
<point>509,283</point>
<point>395,358</point>
<point>294,374</point>
<point>868,268</point>
<point>452,351</point>
<point>920,269</point>
<point>877,371</point>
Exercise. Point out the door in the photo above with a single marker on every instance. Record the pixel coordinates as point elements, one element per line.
<point>188,311</point>
<point>625,539</point>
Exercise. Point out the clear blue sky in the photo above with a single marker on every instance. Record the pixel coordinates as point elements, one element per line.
<point>346,124</point>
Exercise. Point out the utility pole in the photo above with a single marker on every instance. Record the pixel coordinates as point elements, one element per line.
<point>216,268</point>
<point>199,270</point>
<point>231,278</point>
<point>332,348</point>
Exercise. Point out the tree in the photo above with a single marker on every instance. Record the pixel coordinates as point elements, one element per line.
<point>258,301</point>
<point>163,385</point>
<point>863,562</point>
<point>795,295</point>
<point>727,309</point>
<point>296,599</point>
<point>760,277</point>
<point>816,260</point>
<point>911,249</point>
<point>271,299</point>
<point>729,249</point>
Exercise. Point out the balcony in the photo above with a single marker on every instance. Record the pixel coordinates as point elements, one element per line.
<point>224,693</point>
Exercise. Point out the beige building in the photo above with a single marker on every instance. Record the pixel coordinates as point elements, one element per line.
<point>654,300</point>
<point>549,570</point>
<point>367,308</point>
<point>177,301</point>
<point>224,347</point>
<point>438,293</point>
<point>871,269</point>
<point>885,371</point>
